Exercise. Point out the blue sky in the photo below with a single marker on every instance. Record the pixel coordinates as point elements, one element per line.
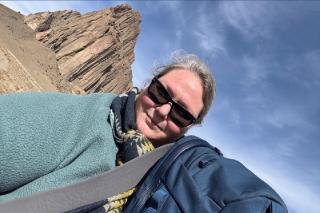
<point>265,57</point>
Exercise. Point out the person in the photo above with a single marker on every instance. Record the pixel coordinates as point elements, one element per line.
<point>178,97</point>
<point>49,140</point>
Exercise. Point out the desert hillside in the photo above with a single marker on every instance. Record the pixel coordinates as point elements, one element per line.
<point>66,51</point>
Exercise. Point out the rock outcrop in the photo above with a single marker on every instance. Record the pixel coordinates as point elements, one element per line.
<point>76,53</point>
<point>94,51</point>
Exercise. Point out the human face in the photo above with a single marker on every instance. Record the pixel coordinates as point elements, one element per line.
<point>178,114</point>
<point>154,121</point>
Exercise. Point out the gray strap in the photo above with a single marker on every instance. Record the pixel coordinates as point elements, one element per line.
<point>88,191</point>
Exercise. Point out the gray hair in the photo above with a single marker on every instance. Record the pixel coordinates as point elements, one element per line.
<point>194,64</point>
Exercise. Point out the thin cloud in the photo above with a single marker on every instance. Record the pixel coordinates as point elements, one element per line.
<point>313,60</point>
<point>255,70</point>
<point>178,35</point>
<point>235,118</point>
<point>27,7</point>
<point>20,6</point>
<point>289,188</point>
<point>140,74</point>
<point>173,7</point>
<point>284,116</point>
<point>302,68</point>
<point>254,98</point>
<point>312,63</point>
<point>222,105</point>
<point>209,32</point>
<point>250,18</point>
<point>288,147</point>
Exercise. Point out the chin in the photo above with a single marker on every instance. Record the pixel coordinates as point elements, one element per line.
<point>156,137</point>
<point>144,129</point>
<point>149,133</point>
<point>152,135</point>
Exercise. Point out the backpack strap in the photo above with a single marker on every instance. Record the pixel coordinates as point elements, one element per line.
<point>88,191</point>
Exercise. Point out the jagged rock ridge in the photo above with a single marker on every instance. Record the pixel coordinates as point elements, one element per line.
<point>77,53</point>
<point>94,51</point>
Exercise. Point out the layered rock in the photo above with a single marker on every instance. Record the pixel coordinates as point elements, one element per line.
<point>77,53</point>
<point>94,51</point>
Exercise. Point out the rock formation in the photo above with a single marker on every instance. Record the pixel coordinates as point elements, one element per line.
<point>93,52</point>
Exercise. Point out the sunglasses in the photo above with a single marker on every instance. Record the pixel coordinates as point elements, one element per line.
<point>178,114</point>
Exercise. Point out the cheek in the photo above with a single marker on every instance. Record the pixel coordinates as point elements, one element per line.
<point>147,102</point>
<point>173,130</point>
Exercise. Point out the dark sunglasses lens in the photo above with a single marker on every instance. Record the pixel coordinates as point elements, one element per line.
<point>180,116</point>
<point>157,93</point>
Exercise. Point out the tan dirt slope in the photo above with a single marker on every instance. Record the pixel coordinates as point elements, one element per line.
<point>25,63</point>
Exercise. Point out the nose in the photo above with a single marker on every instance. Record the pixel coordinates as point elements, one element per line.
<point>164,109</point>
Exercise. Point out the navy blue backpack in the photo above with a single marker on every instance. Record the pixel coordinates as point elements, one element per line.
<point>193,176</point>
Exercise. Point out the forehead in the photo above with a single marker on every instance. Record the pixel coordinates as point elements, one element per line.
<point>185,87</point>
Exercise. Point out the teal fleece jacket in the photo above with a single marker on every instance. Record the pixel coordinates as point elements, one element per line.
<point>49,140</point>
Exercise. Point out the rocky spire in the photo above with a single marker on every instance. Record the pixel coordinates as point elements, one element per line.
<point>92,52</point>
